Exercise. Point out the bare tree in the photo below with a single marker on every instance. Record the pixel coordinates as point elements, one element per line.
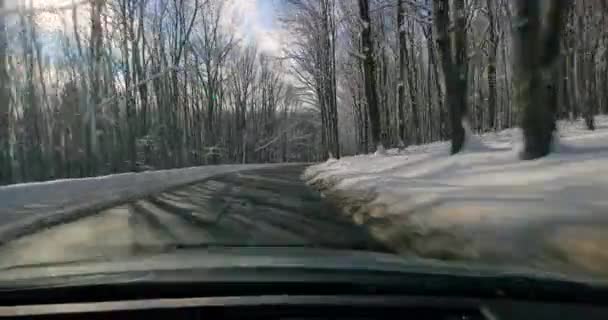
<point>96,53</point>
<point>492,62</point>
<point>5,99</point>
<point>313,55</point>
<point>369,67</point>
<point>536,50</point>
<point>453,48</point>
<point>167,83</point>
<point>243,78</point>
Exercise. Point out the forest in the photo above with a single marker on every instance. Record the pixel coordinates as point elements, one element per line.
<point>132,85</point>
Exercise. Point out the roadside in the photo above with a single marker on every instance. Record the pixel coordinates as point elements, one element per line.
<point>483,205</point>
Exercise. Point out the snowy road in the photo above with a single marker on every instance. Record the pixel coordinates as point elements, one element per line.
<point>259,207</point>
<point>29,207</point>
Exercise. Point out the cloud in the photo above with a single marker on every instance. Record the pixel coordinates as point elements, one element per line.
<point>249,21</point>
<point>269,41</point>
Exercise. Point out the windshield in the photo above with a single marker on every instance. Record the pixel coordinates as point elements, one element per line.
<point>462,132</point>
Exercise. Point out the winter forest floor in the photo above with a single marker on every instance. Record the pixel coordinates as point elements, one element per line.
<point>485,204</point>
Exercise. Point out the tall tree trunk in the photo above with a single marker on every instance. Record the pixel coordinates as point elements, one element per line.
<point>369,68</point>
<point>508,101</point>
<point>460,77</point>
<point>438,89</point>
<point>385,119</point>
<point>364,109</point>
<point>139,70</point>
<point>412,78</point>
<point>5,154</point>
<point>454,62</point>
<point>572,76</point>
<point>96,54</point>
<point>604,58</point>
<point>31,169</point>
<point>329,76</point>
<point>493,53</point>
<point>588,64</point>
<point>402,69</point>
<point>535,54</point>
<point>604,81</point>
<point>564,86</point>
<point>131,153</point>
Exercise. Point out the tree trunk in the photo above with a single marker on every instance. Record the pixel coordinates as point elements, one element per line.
<point>410,57</point>
<point>535,54</point>
<point>564,87</point>
<point>129,99</point>
<point>402,69</point>
<point>588,64</point>
<point>460,77</point>
<point>493,52</point>
<point>369,68</point>
<point>5,154</point>
<point>454,62</point>
<point>143,88</point>
<point>604,81</point>
<point>329,77</point>
<point>96,54</point>
<point>438,89</point>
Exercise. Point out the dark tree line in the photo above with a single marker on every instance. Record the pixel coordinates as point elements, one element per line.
<point>124,85</point>
<point>416,71</point>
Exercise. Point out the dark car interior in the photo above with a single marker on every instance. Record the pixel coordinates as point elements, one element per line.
<point>312,296</point>
<point>308,307</point>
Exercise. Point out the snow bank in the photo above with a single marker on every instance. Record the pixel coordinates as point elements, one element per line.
<point>484,204</point>
<point>30,206</point>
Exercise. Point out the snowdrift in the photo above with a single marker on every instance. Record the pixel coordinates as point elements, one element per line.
<point>484,204</point>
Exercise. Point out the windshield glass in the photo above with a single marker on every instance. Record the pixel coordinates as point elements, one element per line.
<point>464,132</point>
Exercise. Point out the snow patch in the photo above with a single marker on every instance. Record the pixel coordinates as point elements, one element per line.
<point>483,203</point>
<point>472,143</point>
<point>380,151</point>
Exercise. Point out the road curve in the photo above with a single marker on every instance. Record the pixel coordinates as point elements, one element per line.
<point>265,207</point>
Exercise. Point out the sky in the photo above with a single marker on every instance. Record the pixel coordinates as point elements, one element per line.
<point>251,19</point>
<point>258,19</point>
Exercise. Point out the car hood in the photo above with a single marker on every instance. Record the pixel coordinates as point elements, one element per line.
<point>201,263</point>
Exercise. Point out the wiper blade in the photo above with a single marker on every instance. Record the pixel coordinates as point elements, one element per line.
<point>323,246</point>
<point>206,245</point>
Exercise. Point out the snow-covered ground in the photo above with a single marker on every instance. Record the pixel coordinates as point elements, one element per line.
<point>484,204</point>
<point>29,206</point>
